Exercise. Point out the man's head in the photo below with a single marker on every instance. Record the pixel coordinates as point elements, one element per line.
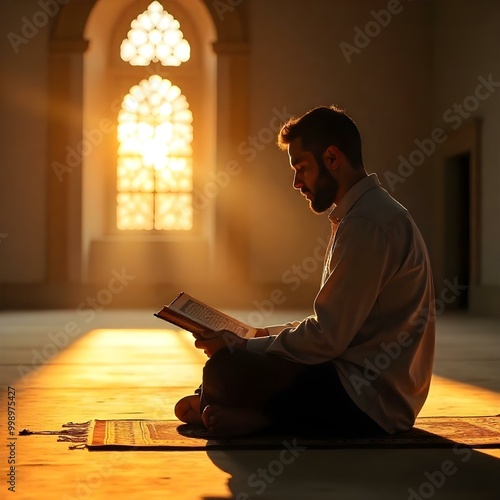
<point>324,146</point>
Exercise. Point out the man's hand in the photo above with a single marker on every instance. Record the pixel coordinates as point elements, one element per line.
<point>225,339</point>
<point>262,332</point>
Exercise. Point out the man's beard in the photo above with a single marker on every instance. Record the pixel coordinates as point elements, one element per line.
<point>324,190</point>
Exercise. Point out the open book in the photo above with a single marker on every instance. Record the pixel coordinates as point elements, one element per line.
<point>202,320</point>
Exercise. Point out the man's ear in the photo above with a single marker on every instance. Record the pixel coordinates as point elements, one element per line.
<point>331,157</point>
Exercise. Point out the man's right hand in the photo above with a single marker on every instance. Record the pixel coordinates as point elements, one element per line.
<point>262,332</point>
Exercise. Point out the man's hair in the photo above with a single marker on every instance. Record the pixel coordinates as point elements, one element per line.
<point>321,127</point>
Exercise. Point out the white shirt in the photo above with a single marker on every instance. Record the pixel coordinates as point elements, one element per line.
<point>374,313</point>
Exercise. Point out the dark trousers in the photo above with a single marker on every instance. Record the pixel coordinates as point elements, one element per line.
<point>296,397</point>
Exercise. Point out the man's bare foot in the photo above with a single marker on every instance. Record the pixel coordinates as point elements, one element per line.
<point>187,410</point>
<point>226,421</point>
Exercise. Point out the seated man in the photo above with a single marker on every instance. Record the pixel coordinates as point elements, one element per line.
<point>362,364</point>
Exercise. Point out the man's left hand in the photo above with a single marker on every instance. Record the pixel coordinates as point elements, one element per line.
<point>225,339</point>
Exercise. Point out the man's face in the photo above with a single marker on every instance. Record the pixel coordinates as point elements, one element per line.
<point>312,177</point>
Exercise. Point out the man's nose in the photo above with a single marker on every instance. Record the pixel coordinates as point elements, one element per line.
<point>297,181</point>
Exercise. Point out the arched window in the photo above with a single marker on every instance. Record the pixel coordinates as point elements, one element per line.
<point>155,36</point>
<point>154,172</point>
<point>154,164</point>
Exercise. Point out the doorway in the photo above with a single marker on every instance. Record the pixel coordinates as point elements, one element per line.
<point>457,225</point>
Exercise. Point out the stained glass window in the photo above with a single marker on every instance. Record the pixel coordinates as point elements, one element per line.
<point>155,172</point>
<point>155,178</point>
<point>155,36</point>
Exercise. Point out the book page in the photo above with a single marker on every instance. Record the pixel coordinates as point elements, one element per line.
<point>213,318</point>
<point>207,315</point>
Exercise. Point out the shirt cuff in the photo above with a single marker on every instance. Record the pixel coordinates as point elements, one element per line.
<point>275,329</point>
<point>259,344</point>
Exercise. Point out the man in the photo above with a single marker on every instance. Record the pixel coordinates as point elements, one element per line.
<point>362,364</point>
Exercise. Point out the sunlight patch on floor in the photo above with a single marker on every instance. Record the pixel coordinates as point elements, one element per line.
<point>124,357</point>
<point>449,397</point>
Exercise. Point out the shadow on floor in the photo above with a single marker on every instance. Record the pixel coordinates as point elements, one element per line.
<point>413,474</point>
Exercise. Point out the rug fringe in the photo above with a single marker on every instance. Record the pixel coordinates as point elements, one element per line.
<point>76,424</point>
<point>72,430</point>
<point>72,439</point>
<point>81,446</point>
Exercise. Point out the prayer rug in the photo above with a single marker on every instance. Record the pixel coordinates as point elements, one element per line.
<point>428,432</point>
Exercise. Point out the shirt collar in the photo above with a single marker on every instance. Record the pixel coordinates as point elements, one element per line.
<point>352,196</point>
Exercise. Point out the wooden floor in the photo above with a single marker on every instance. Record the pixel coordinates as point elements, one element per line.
<point>124,365</point>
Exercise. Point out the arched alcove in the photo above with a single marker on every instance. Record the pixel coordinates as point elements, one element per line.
<point>86,83</point>
<point>157,256</point>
